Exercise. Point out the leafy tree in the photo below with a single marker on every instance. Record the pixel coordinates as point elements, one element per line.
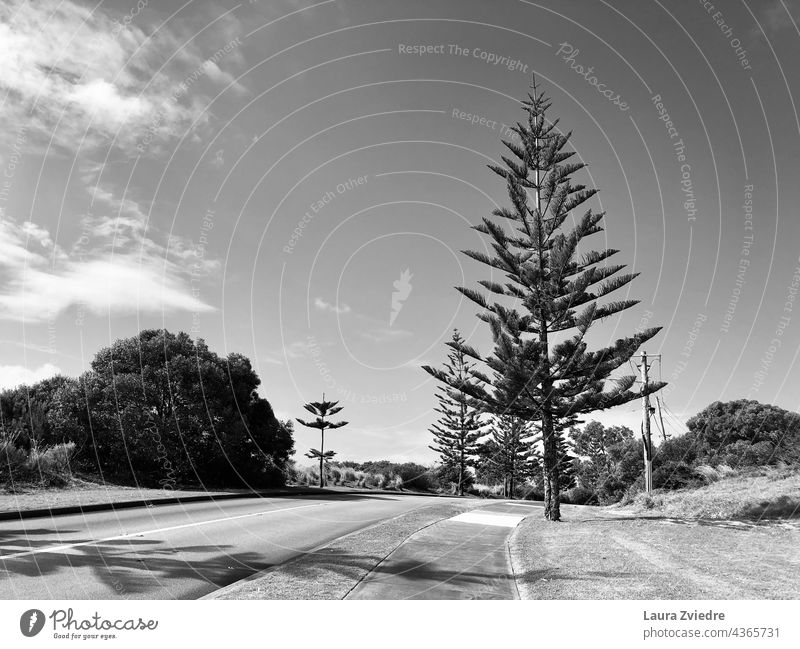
<point>546,281</point>
<point>745,432</point>
<point>171,409</point>
<point>25,409</point>
<point>458,429</point>
<point>157,408</point>
<point>626,460</point>
<point>594,441</point>
<point>321,410</point>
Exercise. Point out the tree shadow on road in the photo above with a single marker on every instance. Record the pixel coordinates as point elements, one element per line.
<point>135,566</point>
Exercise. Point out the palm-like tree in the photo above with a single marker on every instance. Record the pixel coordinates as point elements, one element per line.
<point>321,410</point>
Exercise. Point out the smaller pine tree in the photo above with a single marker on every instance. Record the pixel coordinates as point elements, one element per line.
<point>566,464</point>
<point>509,452</point>
<point>458,429</point>
<point>322,409</point>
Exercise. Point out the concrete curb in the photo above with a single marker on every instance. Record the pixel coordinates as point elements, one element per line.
<point>152,502</point>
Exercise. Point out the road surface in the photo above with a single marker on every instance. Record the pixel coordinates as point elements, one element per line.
<point>176,551</point>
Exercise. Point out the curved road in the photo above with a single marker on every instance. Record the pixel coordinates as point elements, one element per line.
<point>177,551</point>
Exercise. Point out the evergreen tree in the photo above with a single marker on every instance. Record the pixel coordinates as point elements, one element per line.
<point>322,409</point>
<point>508,454</point>
<point>566,464</point>
<point>537,372</point>
<point>457,432</point>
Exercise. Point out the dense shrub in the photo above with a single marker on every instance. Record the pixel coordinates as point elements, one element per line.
<point>486,491</point>
<point>416,476</point>
<point>579,496</point>
<point>743,453</point>
<point>708,473</point>
<point>677,449</point>
<point>675,475</point>
<point>747,433</point>
<point>446,477</point>
<point>12,459</point>
<point>42,466</point>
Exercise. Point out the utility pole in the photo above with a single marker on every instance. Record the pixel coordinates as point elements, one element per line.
<point>646,411</point>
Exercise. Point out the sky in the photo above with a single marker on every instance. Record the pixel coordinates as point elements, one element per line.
<point>295,181</point>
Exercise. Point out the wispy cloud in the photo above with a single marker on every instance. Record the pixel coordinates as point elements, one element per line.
<point>297,349</point>
<point>322,305</point>
<point>123,271</point>
<point>78,78</point>
<point>122,225</point>
<point>385,334</point>
<point>268,359</point>
<point>12,376</point>
<point>775,17</point>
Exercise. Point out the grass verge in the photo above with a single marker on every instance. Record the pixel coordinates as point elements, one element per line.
<point>770,493</point>
<point>82,493</point>
<point>331,572</point>
<point>594,554</point>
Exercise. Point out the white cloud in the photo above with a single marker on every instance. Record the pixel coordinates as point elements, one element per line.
<point>77,78</point>
<point>322,305</point>
<point>385,334</point>
<point>12,376</point>
<point>125,226</point>
<point>41,280</point>
<point>297,349</point>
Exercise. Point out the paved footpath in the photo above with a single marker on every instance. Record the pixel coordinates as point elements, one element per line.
<point>464,557</point>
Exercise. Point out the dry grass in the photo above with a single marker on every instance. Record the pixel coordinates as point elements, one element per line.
<point>593,555</point>
<point>486,491</point>
<point>769,493</point>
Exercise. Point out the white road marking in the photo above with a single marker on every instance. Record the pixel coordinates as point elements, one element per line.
<point>129,535</point>
<point>488,518</point>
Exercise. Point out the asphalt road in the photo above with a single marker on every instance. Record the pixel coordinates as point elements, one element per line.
<point>176,551</point>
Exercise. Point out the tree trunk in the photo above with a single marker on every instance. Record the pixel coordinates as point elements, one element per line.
<point>461,478</point>
<point>552,489</point>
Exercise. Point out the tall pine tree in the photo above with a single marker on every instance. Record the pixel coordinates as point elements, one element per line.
<point>457,432</point>
<point>538,372</point>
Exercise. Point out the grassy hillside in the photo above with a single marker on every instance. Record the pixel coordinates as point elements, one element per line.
<point>758,494</point>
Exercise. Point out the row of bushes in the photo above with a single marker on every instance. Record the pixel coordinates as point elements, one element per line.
<point>384,474</point>
<point>343,476</point>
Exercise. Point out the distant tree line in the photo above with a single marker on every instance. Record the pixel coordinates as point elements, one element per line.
<point>604,464</point>
<point>738,435</point>
<point>157,409</point>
